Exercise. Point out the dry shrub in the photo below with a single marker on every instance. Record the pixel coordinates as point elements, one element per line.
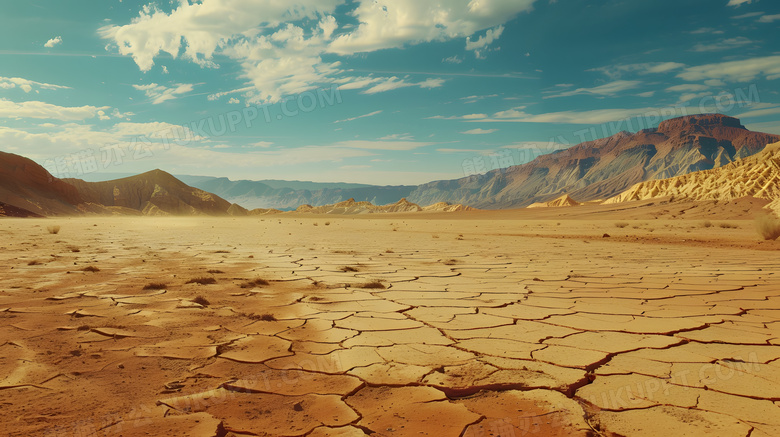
<point>372,284</point>
<point>200,300</point>
<point>254,283</point>
<point>621,225</point>
<point>156,286</point>
<point>55,229</point>
<point>214,272</point>
<point>728,226</point>
<point>768,226</point>
<point>34,262</point>
<point>92,269</point>
<point>706,224</point>
<point>202,281</point>
<point>349,269</point>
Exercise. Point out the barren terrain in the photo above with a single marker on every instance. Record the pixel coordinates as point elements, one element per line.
<point>590,321</point>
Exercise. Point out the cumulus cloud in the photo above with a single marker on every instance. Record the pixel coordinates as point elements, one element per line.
<point>280,46</point>
<point>737,3</point>
<point>394,23</point>
<point>160,93</point>
<point>482,42</point>
<point>53,42</point>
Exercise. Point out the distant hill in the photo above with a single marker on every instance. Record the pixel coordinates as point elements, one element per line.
<point>351,206</point>
<point>288,195</point>
<point>606,167</point>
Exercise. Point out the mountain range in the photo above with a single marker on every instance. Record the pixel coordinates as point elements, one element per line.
<point>588,172</point>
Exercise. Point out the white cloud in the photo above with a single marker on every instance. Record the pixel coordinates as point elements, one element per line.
<point>748,15</point>
<point>735,71</point>
<point>27,85</point>
<point>479,131</point>
<point>234,101</point>
<point>382,145</point>
<point>36,109</point>
<point>687,87</point>
<point>484,41</point>
<point>160,93</point>
<point>737,3</point>
<point>608,89</point>
<point>280,45</point>
<point>726,44</point>
<point>370,114</point>
<point>770,109</point>
<point>53,42</point>
<point>454,59</point>
<point>393,83</point>
<point>769,18</point>
<point>394,23</point>
<point>617,71</point>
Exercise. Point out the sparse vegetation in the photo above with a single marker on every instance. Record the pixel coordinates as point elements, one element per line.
<point>222,251</point>
<point>372,285</point>
<point>200,300</point>
<point>706,224</point>
<point>202,281</point>
<point>254,283</point>
<point>74,249</point>
<point>349,269</point>
<point>214,272</point>
<point>55,229</point>
<point>621,225</point>
<point>156,286</point>
<point>92,269</point>
<point>768,226</point>
<point>389,251</point>
<point>327,223</point>
<point>725,225</point>
<point>450,262</point>
<point>34,262</point>
<point>268,318</point>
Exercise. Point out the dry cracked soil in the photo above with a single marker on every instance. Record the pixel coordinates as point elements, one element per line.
<point>439,325</point>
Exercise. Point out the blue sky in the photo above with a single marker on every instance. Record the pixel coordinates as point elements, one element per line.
<point>369,91</point>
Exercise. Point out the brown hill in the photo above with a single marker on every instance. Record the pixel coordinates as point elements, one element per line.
<point>755,176</point>
<point>606,167</point>
<point>153,193</point>
<point>26,189</point>
<point>28,186</point>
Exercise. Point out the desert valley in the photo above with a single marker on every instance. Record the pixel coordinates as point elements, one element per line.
<point>143,306</point>
<point>390,218</point>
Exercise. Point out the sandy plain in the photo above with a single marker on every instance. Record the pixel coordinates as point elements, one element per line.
<point>507,324</point>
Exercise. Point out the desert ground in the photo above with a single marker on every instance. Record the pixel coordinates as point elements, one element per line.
<point>656,321</point>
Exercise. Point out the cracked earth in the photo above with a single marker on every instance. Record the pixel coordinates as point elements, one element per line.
<point>336,326</point>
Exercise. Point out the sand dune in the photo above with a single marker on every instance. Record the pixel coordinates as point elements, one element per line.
<point>756,176</point>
